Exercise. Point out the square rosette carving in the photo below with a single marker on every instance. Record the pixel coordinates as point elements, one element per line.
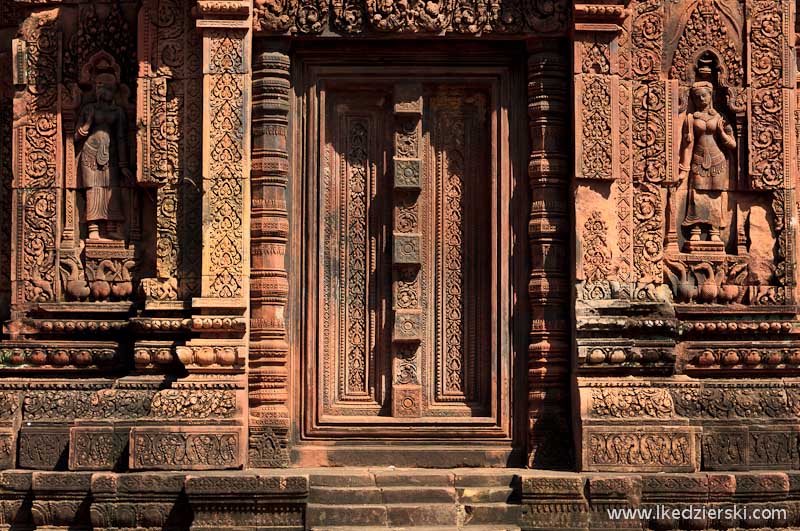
<point>407,326</point>
<point>407,175</point>
<point>406,249</point>
<point>406,401</point>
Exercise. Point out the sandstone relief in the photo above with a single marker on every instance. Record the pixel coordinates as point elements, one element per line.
<point>244,235</point>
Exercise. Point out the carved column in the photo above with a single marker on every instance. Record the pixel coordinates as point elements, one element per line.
<point>548,230</point>
<point>269,232</point>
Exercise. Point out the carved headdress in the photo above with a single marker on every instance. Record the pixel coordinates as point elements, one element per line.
<point>702,85</point>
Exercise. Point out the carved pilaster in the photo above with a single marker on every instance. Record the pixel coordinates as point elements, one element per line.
<point>226,178</point>
<point>6,120</point>
<point>37,136</point>
<point>269,288</point>
<point>548,230</point>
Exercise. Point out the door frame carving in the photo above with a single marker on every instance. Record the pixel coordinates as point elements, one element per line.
<point>505,441</point>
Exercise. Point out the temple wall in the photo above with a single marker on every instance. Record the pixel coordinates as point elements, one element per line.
<point>244,241</point>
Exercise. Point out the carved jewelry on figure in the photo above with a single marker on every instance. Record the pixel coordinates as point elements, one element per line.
<point>707,140</point>
<point>103,159</point>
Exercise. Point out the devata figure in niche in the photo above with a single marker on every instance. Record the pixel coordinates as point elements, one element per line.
<point>707,136</point>
<point>102,126</point>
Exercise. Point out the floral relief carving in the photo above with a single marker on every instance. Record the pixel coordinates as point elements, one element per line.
<point>706,28</point>
<point>439,16</point>
<point>454,173</point>
<point>596,254</point>
<point>632,402</point>
<point>766,138</point>
<point>596,148</point>
<point>640,449</point>
<point>225,193</point>
<point>767,43</point>
<point>159,449</point>
<point>647,38</point>
<point>357,252</point>
<point>37,136</point>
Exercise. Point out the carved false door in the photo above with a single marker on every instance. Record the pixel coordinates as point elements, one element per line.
<point>408,258</point>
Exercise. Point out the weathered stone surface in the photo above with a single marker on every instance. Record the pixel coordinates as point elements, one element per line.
<point>484,233</point>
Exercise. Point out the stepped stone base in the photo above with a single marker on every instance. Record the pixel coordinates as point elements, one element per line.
<point>348,499</point>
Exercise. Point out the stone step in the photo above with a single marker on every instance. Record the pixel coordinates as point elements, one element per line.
<point>333,479</point>
<point>345,495</point>
<point>427,514</point>
<point>424,528</point>
<point>485,494</point>
<point>491,513</point>
<point>414,478</point>
<point>418,495</point>
<point>318,514</point>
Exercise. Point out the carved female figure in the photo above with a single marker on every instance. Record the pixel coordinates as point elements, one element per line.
<point>103,156</point>
<point>706,138</point>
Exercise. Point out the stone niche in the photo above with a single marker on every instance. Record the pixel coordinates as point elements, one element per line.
<point>685,222</point>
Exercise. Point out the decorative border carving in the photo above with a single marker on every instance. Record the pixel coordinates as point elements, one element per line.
<point>470,17</point>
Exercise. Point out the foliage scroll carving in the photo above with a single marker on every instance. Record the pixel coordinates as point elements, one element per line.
<point>472,17</point>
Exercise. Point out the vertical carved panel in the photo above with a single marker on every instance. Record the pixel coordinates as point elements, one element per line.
<point>647,39</point>
<point>170,126</point>
<point>269,288</point>
<point>462,271</point>
<point>357,192</point>
<point>224,184</point>
<point>6,181</point>
<point>548,229</point>
<point>37,136</point>
<point>649,170</point>
<point>770,75</point>
<point>408,278</point>
<point>595,97</point>
<point>353,256</point>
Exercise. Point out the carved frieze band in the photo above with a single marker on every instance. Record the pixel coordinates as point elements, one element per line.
<point>466,17</point>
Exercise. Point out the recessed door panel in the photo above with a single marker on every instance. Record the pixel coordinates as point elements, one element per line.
<point>406,179</point>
